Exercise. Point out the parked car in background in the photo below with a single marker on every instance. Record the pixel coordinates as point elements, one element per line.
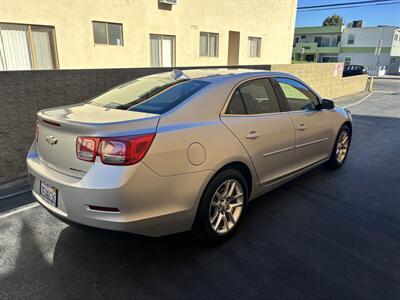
<point>181,151</point>
<point>352,70</point>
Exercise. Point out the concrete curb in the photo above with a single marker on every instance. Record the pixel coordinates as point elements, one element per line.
<point>388,77</point>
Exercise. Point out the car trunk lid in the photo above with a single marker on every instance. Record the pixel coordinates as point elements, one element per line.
<point>60,127</point>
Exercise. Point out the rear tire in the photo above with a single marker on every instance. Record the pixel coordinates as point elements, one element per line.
<point>222,207</point>
<point>341,148</point>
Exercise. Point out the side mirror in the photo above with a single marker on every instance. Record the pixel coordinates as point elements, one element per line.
<point>326,104</point>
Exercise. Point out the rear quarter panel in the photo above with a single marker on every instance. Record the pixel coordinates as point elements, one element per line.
<point>195,121</point>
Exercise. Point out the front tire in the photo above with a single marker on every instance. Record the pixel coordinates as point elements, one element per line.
<point>341,148</point>
<point>222,207</point>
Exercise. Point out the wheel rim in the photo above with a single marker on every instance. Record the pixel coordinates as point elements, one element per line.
<point>342,146</point>
<point>226,206</point>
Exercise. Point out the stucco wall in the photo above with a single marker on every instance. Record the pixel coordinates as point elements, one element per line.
<point>272,20</point>
<point>321,78</point>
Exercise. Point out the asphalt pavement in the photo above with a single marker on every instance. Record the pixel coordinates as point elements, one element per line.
<point>325,235</point>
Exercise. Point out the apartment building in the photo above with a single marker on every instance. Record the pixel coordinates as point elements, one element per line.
<point>317,44</point>
<point>377,48</point>
<point>70,34</point>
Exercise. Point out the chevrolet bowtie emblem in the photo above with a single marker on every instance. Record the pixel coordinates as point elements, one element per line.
<point>51,140</point>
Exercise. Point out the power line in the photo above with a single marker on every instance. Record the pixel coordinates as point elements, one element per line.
<point>349,5</point>
<point>343,4</point>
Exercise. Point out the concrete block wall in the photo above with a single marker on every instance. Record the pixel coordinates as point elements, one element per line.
<point>23,93</point>
<point>321,77</point>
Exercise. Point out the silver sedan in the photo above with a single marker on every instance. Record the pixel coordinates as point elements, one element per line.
<point>182,151</point>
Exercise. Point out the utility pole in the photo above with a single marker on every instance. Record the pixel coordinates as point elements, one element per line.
<point>377,54</point>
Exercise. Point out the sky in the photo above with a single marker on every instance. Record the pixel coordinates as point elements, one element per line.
<point>371,15</point>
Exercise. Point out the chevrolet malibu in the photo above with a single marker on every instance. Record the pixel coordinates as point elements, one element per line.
<point>182,151</point>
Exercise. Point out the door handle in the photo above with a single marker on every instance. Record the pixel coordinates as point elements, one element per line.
<point>252,135</point>
<point>301,127</point>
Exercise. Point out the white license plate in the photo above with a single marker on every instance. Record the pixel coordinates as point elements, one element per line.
<point>49,193</point>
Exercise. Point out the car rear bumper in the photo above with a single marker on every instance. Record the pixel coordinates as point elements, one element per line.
<point>148,204</point>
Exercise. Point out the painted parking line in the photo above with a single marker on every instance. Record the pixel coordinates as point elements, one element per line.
<point>18,210</point>
<point>360,101</point>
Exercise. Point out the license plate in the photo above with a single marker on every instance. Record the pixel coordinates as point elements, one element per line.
<point>49,193</point>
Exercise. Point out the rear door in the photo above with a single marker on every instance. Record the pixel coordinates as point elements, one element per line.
<point>254,115</point>
<point>313,127</point>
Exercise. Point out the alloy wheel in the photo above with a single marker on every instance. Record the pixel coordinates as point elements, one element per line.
<point>342,146</point>
<point>226,206</point>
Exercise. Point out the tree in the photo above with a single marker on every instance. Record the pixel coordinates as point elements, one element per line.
<point>332,20</point>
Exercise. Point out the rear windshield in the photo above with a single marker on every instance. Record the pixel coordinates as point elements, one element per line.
<point>149,94</point>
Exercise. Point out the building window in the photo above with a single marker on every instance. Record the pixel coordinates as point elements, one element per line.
<point>254,47</point>
<point>322,41</point>
<point>396,37</point>
<point>209,44</point>
<point>392,60</point>
<point>27,47</point>
<point>162,50</point>
<point>347,61</point>
<point>105,33</point>
<point>350,39</point>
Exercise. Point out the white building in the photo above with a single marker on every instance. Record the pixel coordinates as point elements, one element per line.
<point>377,48</point>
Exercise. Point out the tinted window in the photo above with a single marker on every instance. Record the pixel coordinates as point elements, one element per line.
<point>298,96</point>
<point>236,106</point>
<point>254,97</point>
<point>149,94</point>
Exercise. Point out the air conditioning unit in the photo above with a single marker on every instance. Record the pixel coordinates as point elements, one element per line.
<point>172,2</point>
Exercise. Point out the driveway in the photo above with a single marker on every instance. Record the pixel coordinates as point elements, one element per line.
<point>327,234</point>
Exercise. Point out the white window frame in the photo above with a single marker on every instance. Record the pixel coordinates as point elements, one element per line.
<point>252,39</point>
<point>162,36</point>
<point>347,63</point>
<point>208,50</point>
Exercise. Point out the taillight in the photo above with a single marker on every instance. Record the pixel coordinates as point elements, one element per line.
<point>86,148</point>
<point>37,130</point>
<point>116,150</point>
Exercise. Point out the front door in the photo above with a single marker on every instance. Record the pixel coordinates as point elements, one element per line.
<point>233,48</point>
<point>255,117</point>
<point>313,127</point>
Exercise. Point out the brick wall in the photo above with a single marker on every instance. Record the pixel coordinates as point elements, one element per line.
<point>23,93</point>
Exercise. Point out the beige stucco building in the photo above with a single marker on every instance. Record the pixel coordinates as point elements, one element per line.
<point>77,34</point>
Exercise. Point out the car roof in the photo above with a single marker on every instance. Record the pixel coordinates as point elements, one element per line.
<point>217,74</point>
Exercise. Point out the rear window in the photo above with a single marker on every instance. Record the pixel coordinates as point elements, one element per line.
<point>155,95</point>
